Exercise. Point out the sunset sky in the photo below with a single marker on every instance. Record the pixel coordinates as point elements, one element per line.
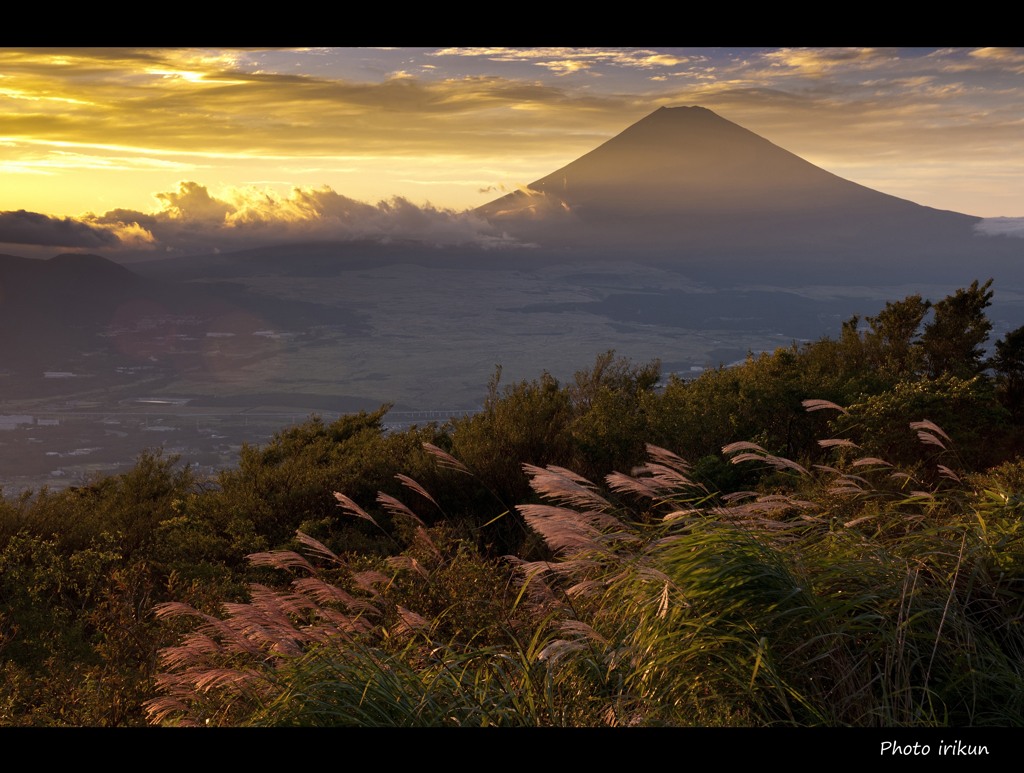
<point>178,149</point>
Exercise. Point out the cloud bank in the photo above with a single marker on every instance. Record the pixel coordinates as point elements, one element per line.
<point>1001,226</point>
<point>192,220</point>
<point>23,227</point>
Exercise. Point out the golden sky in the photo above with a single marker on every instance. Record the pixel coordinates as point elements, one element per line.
<point>109,137</point>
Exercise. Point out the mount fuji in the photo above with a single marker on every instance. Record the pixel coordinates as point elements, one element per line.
<point>686,185</point>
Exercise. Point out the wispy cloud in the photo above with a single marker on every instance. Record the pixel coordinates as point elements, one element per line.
<point>564,60</point>
<point>179,102</point>
<point>54,161</point>
<point>1012,57</point>
<point>818,61</point>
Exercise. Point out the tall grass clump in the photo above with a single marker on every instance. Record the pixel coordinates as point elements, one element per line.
<point>854,598</point>
<point>844,594</point>
<point>338,646</point>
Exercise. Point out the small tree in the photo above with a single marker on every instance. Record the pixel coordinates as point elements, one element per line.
<point>1008,364</point>
<point>954,340</point>
<point>892,343</point>
<point>610,405</point>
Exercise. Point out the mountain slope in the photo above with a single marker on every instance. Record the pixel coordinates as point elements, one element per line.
<point>687,182</point>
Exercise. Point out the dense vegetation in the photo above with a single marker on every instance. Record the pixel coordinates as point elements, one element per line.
<point>841,546</point>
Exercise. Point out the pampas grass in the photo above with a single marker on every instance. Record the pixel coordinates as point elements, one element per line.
<point>858,596</point>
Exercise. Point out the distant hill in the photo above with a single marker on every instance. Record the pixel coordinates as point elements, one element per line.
<point>687,185</point>
<point>52,308</point>
<point>80,307</point>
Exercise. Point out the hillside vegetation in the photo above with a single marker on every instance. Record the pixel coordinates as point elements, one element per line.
<point>828,534</point>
